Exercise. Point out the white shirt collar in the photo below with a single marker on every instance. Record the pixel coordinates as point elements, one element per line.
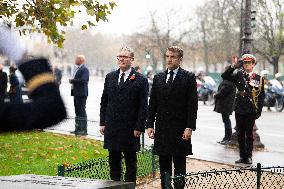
<point>175,71</point>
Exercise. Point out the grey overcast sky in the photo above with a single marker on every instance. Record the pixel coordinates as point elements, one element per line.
<point>130,15</point>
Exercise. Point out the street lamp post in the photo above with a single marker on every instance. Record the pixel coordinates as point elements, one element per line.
<point>246,47</point>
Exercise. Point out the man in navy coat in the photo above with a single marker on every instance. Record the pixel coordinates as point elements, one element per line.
<point>123,115</point>
<point>172,114</point>
<point>79,90</point>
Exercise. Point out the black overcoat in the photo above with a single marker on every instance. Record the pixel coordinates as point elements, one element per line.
<point>123,110</point>
<point>171,110</point>
<point>225,97</point>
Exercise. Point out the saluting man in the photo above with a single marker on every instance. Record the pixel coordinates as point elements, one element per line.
<point>249,102</point>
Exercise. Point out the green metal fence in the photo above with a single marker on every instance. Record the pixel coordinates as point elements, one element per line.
<point>147,165</point>
<point>241,178</point>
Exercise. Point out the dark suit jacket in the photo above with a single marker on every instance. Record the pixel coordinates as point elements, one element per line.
<point>171,111</point>
<point>45,109</point>
<point>123,110</point>
<point>80,82</point>
<point>225,97</point>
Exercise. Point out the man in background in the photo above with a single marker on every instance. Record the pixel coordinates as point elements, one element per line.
<point>79,90</point>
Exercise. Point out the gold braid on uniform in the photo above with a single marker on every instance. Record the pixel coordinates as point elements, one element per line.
<point>39,80</point>
<point>255,92</point>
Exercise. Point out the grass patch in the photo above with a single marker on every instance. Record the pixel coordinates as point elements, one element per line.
<point>40,153</point>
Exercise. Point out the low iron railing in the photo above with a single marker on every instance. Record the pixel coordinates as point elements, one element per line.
<point>147,165</point>
<point>241,178</point>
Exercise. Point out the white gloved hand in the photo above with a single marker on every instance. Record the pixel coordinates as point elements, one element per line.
<point>11,46</point>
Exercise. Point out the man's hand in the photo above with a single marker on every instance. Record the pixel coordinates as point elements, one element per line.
<point>137,133</point>
<point>102,130</point>
<point>150,132</point>
<point>187,134</point>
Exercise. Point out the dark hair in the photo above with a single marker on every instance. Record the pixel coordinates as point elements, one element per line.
<point>12,69</point>
<point>176,49</point>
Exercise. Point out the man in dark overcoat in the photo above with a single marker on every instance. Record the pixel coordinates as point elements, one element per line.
<point>249,102</point>
<point>3,84</point>
<point>79,90</point>
<point>47,107</point>
<point>123,115</point>
<point>172,114</point>
<point>224,104</point>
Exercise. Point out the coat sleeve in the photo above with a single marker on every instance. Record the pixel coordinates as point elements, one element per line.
<point>46,107</point>
<point>224,91</point>
<point>84,77</point>
<point>143,102</point>
<point>229,74</point>
<point>192,102</point>
<point>152,108</point>
<point>260,100</point>
<point>104,102</point>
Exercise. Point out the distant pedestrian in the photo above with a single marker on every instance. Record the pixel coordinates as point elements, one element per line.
<point>249,102</point>
<point>79,90</point>
<point>172,114</point>
<point>15,91</point>
<point>57,72</point>
<point>123,115</point>
<point>224,104</point>
<point>3,84</point>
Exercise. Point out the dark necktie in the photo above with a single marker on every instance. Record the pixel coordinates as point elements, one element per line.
<point>171,78</point>
<point>121,80</point>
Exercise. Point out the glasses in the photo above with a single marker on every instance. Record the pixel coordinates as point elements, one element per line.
<point>122,57</point>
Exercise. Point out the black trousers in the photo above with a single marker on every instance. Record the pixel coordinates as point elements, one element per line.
<point>130,158</point>
<point>179,168</point>
<point>80,106</point>
<point>245,125</point>
<point>227,125</point>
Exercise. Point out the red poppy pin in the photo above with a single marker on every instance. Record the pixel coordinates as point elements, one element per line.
<point>132,77</point>
<point>253,75</point>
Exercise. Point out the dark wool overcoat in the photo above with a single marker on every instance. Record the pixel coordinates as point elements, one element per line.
<point>123,110</point>
<point>171,110</point>
<point>225,97</point>
<point>45,109</point>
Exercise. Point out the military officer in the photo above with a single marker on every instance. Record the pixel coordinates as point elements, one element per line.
<point>249,102</point>
<point>46,107</point>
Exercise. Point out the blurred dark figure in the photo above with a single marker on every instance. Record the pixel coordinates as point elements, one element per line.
<point>137,69</point>
<point>3,84</point>
<point>150,77</point>
<point>57,75</point>
<point>15,91</point>
<point>224,102</point>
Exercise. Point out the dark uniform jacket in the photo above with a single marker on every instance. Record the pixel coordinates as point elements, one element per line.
<point>225,97</point>
<point>245,103</point>
<point>123,110</point>
<point>15,91</point>
<point>171,110</point>
<point>46,107</point>
<point>80,82</point>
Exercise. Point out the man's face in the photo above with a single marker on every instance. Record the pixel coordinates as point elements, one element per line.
<point>173,60</point>
<point>78,61</point>
<point>124,60</point>
<point>248,66</point>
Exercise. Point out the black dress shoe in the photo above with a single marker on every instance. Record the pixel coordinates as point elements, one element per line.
<point>248,161</point>
<point>241,160</point>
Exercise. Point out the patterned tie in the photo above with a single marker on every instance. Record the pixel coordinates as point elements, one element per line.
<point>121,80</point>
<point>170,80</point>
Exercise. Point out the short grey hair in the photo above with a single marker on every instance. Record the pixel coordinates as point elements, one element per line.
<point>126,48</point>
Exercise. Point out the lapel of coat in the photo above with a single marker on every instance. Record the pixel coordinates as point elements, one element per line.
<point>114,80</point>
<point>128,81</point>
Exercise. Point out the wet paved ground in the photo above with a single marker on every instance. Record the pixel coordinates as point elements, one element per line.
<point>209,130</point>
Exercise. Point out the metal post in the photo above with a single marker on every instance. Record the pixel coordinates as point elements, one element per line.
<point>167,180</point>
<point>60,170</point>
<point>247,28</point>
<point>258,175</point>
<point>143,141</point>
